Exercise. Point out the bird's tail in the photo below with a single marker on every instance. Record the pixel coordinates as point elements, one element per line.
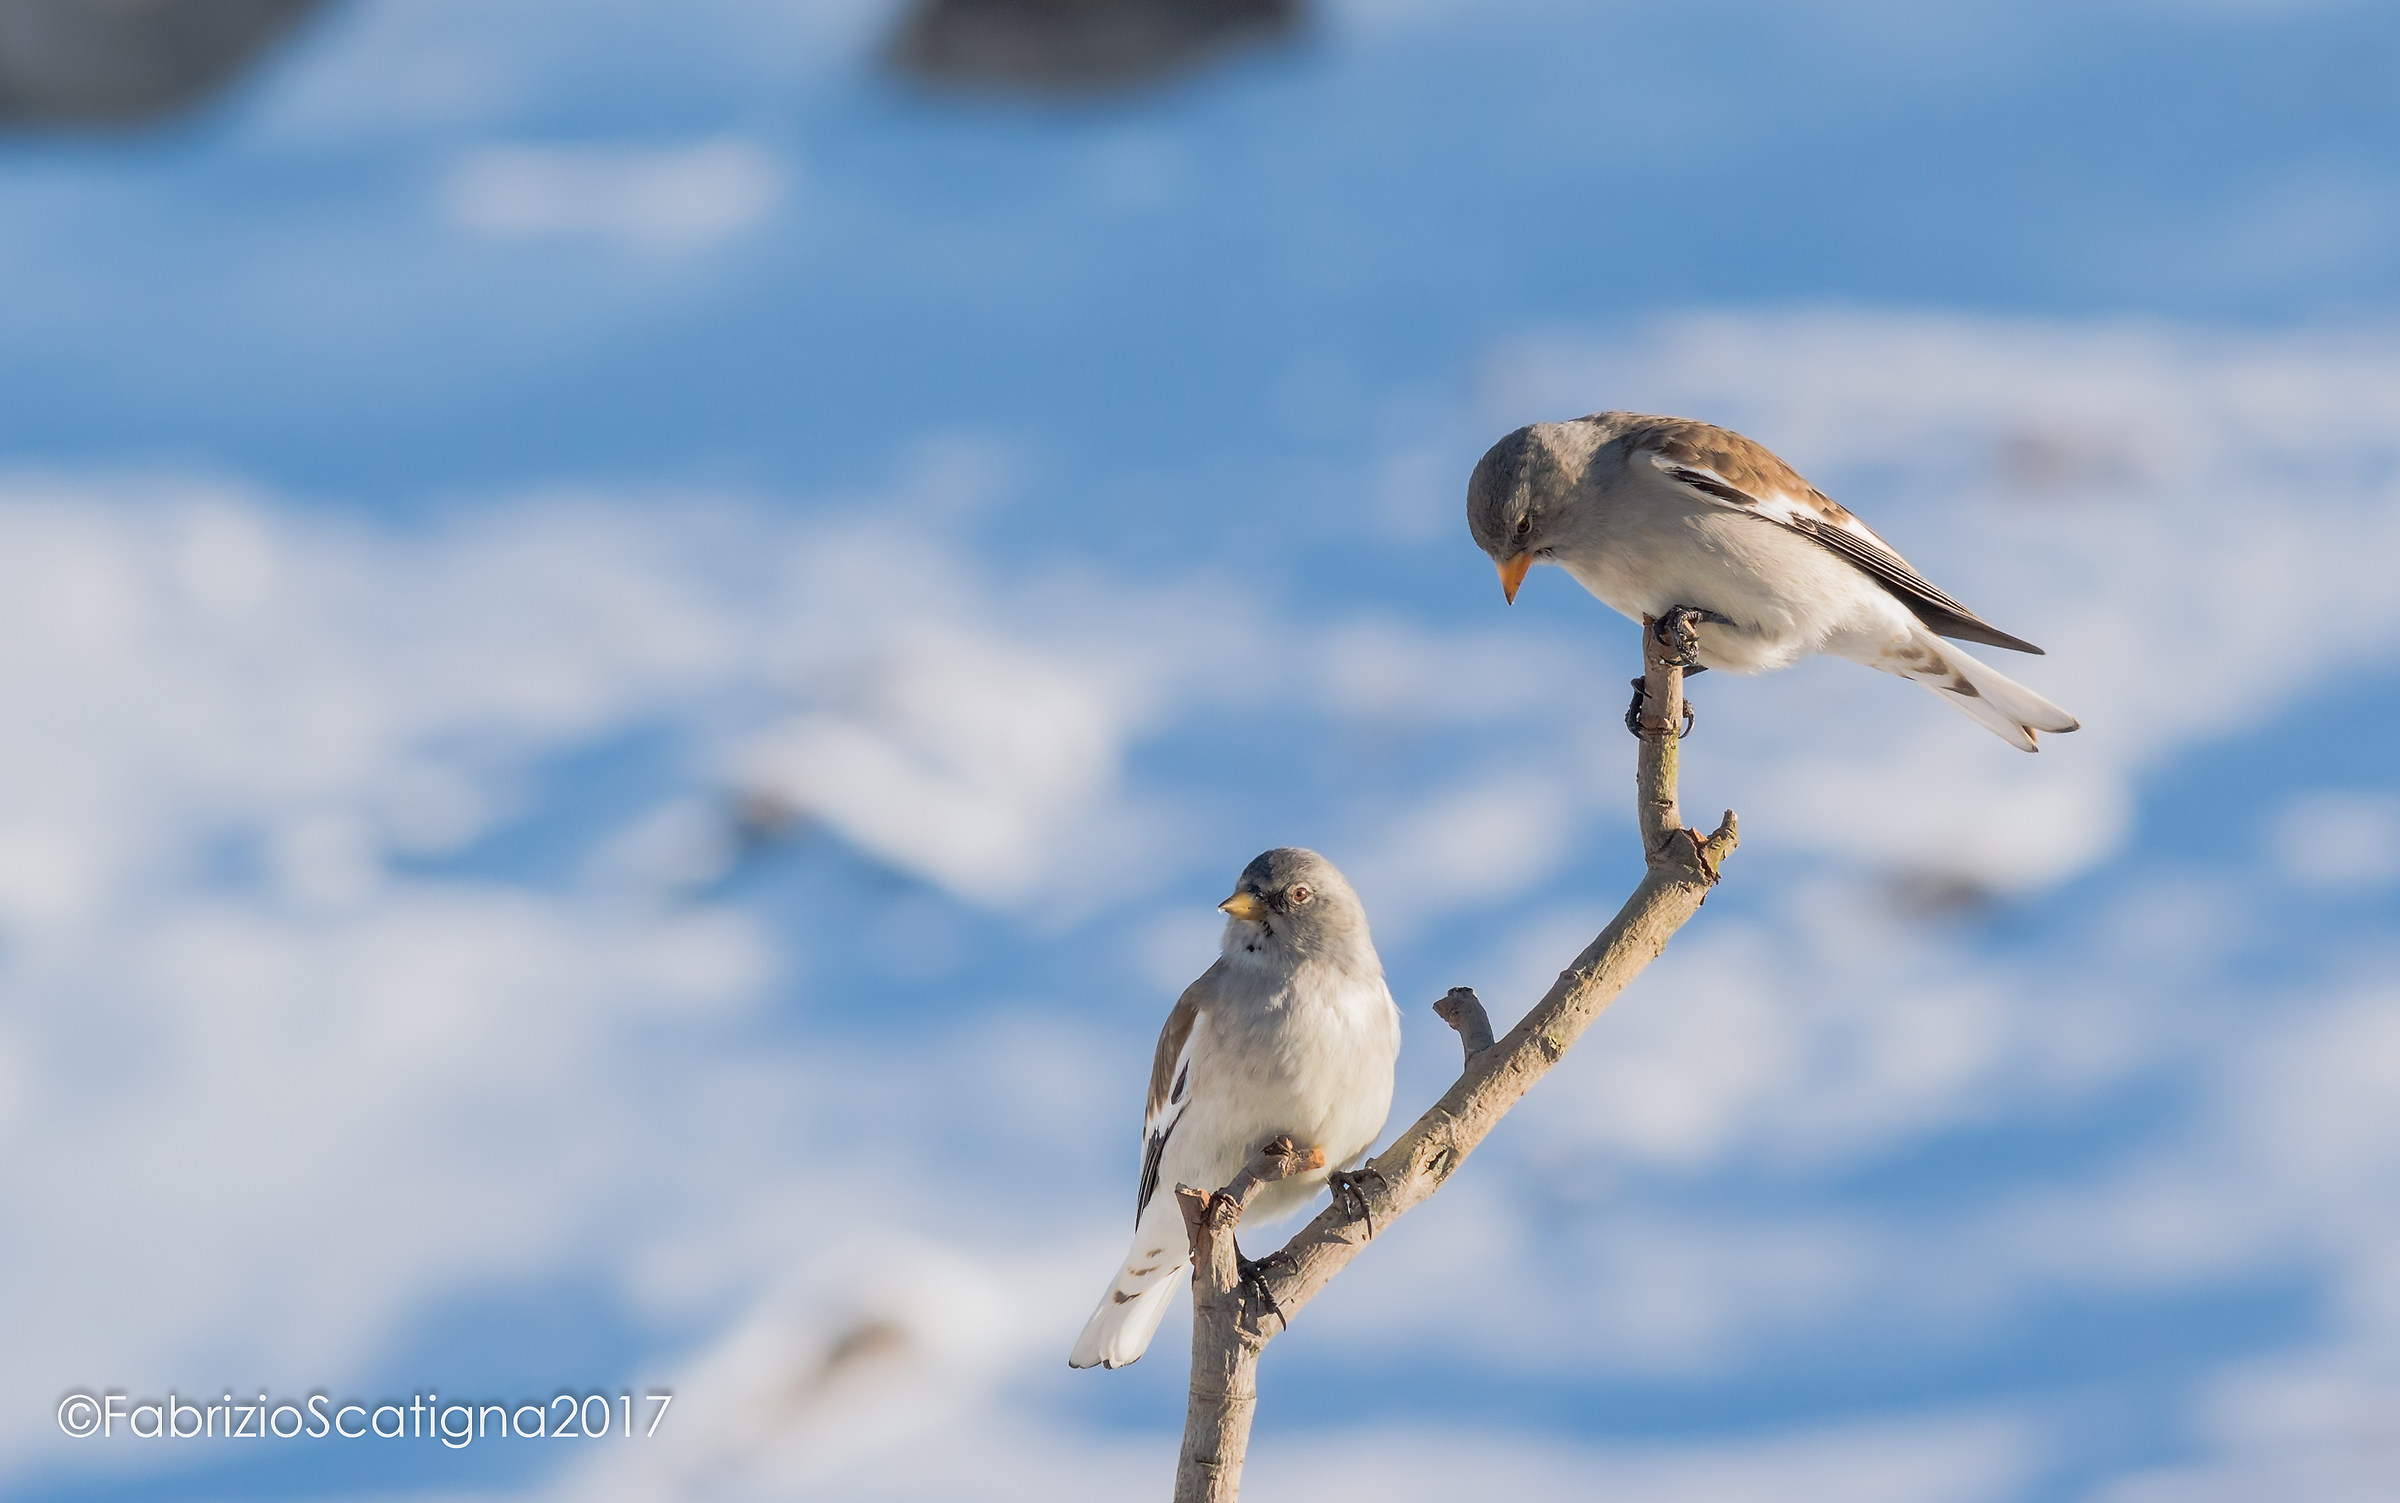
<point>1981,692</point>
<point>1137,1299</point>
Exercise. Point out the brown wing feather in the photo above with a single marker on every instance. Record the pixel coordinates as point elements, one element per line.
<point>1745,473</point>
<point>1744,463</point>
<point>1171,1039</point>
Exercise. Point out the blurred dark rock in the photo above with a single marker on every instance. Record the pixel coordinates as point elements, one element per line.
<point>1078,46</point>
<point>126,62</point>
<point>2041,461</point>
<point>1939,895</point>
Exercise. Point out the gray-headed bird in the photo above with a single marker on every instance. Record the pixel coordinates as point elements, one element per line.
<point>1291,1031</point>
<point>1693,525</point>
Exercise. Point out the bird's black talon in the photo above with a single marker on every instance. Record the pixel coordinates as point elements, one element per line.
<point>1633,711</point>
<point>1676,632</point>
<point>1254,1279</point>
<point>1350,1198</point>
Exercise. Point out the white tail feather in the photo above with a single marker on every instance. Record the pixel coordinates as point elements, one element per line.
<point>1137,1299</point>
<point>1984,694</point>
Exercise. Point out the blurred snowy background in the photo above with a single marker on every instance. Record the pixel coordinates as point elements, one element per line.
<point>633,646</point>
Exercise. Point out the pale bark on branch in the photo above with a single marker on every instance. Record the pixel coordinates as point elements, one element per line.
<point>1233,1317</point>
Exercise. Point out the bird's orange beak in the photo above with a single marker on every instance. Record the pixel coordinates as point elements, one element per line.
<point>1512,574</point>
<point>1244,906</point>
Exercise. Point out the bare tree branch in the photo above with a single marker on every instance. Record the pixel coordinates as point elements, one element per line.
<point>1226,1336</point>
<point>1234,1316</point>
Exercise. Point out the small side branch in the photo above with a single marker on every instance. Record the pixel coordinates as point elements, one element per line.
<point>1463,1011</point>
<point>1209,1218</point>
<point>1231,1321</point>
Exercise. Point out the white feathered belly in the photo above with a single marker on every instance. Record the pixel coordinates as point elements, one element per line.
<point>1786,596</point>
<point>1327,1082</point>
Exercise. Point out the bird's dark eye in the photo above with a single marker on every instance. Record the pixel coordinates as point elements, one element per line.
<point>1524,524</point>
<point>1301,894</point>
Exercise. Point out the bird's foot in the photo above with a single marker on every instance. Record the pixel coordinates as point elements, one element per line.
<point>1633,711</point>
<point>1677,631</point>
<point>1350,1196</point>
<point>1253,1277</point>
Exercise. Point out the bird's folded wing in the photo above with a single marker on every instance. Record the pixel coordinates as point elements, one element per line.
<point>1818,517</point>
<point>1171,1077</point>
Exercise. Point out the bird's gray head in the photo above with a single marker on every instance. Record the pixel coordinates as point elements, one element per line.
<point>1520,495</point>
<point>1293,901</point>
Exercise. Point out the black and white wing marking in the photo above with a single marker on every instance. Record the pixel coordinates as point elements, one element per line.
<point>1820,520</point>
<point>1171,1079</point>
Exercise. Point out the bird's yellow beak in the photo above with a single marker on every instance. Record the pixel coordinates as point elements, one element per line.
<point>1512,574</point>
<point>1244,906</point>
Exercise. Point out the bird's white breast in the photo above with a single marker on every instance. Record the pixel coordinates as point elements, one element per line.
<point>1310,1053</point>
